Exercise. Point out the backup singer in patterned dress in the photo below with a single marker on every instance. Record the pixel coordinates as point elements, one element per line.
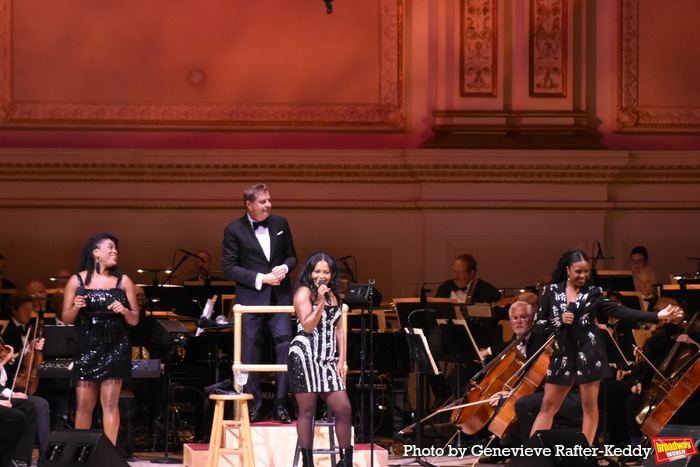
<point>568,307</point>
<point>314,354</point>
<point>102,303</point>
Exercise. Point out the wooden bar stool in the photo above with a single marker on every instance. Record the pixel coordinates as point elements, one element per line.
<point>245,441</point>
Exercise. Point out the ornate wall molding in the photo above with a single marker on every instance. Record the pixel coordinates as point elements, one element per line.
<point>374,180</point>
<point>633,115</point>
<point>549,24</point>
<point>381,112</point>
<point>478,48</point>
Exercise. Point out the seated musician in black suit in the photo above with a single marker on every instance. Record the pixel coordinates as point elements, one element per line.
<point>34,408</point>
<point>464,286</point>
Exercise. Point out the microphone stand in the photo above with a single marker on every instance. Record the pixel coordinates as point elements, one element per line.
<point>371,374</point>
<point>182,260</point>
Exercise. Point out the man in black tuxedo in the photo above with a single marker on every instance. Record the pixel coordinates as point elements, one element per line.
<point>259,254</point>
<point>464,286</point>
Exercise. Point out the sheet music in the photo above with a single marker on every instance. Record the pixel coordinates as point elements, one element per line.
<point>425,348</point>
<point>207,312</point>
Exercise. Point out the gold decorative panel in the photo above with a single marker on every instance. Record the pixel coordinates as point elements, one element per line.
<point>548,48</point>
<point>479,48</point>
<point>209,64</point>
<point>659,62</point>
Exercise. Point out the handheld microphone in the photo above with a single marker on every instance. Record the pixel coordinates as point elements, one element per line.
<point>189,253</point>
<point>80,290</point>
<point>571,308</point>
<point>326,295</point>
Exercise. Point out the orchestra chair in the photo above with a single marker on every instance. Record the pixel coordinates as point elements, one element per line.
<point>241,420</point>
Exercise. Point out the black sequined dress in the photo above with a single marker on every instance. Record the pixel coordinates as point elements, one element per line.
<point>103,345</point>
<point>313,359</point>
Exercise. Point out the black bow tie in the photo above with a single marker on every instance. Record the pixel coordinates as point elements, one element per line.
<point>259,224</point>
<point>463,289</point>
<point>650,299</point>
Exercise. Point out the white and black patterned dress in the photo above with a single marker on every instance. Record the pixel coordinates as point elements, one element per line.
<point>313,358</point>
<point>579,350</point>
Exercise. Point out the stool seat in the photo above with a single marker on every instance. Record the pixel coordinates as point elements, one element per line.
<point>245,448</point>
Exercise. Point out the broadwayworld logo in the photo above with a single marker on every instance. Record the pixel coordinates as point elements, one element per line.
<point>669,449</point>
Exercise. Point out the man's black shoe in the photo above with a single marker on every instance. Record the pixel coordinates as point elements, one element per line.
<point>255,416</point>
<point>282,416</point>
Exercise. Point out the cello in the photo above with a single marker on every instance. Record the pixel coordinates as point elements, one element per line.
<point>679,386</point>
<point>27,378</point>
<point>504,420</point>
<point>490,380</point>
<point>672,381</point>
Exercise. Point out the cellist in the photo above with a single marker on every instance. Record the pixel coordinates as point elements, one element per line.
<point>35,408</point>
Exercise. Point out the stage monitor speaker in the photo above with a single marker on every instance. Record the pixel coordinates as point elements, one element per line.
<point>552,439</point>
<point>676,431</point>
<point>84,448</point>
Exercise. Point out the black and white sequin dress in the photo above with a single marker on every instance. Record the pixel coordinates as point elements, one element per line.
<point>579,349</point>
<point>103,345</point>
<point>313,361</point>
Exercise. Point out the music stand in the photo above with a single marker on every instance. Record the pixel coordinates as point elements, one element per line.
<point>615,353</point>
<point>614,280</point>
<point>688,293</point>
<point>455,333</point>
<point>365,297</point>
<point>59,341</point>
<point>425,365</point>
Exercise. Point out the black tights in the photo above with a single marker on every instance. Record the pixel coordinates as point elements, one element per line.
<point>338,402</point>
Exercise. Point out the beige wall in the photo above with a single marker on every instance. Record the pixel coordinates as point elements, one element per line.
<point>404,215</point>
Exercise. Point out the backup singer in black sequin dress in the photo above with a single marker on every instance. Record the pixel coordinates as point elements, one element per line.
<point>568,307</point>
<point>315,352</point>
<point>102,303</point>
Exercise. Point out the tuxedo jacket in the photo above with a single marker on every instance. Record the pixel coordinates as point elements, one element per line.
<point>244,259</point>
<point>483,291</point>
<point>532,345</point>
<point>13,337</point>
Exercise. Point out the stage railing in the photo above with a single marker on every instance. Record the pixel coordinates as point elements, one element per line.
<point>240,310</point>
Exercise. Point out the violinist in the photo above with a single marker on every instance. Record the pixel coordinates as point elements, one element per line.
<point>568,308</point>
<point>35,412</point>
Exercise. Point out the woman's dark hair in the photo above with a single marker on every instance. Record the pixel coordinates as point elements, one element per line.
<point>567,259</point>
<point>87,259</point>
<point>640,250</point>
<point>305,275</point>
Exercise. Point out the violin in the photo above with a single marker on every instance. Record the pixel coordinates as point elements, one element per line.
<point>677,373</point>
<point>492,379</point>
<point>504,420</point>
<point>27,379</point>
<point>4,349</point>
